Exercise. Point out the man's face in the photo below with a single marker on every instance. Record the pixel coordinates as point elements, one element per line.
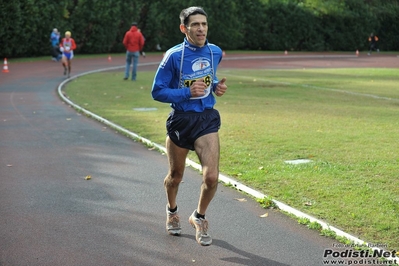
<point>197,29</point>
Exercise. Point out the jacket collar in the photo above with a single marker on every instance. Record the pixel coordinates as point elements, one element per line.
<point>193,47</point>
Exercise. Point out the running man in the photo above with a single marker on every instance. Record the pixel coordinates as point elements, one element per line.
<point>67,45</point>
<point>186,78</point>
<point>373,40</point>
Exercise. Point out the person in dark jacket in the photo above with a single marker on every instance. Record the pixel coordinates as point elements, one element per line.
<point>373,40</point>
<point>134,43</point>
<point>55,48</point>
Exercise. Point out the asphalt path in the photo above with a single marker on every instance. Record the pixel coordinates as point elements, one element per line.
<point>51,215</point>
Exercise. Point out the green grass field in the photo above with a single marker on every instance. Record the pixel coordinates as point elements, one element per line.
<point>344,120</point>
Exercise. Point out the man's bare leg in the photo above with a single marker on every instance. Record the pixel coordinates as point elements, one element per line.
<point>207,148</point>
<point>177,163</point>
<point>177,159</point>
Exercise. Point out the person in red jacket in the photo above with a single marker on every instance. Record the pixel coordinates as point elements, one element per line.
<point>134,43</point>
<point>67,45</point>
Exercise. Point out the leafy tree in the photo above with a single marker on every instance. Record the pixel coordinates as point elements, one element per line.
<point>251,20</point>
<point>98,26</point>
<point>11,26</point>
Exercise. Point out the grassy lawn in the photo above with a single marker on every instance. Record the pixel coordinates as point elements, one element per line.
<point>344,120</point>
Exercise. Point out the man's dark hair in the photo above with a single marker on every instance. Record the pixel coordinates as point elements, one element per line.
<point>186,13</point>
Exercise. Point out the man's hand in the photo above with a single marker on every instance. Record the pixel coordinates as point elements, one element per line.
<point>197,89</point>
<point>221,87</point>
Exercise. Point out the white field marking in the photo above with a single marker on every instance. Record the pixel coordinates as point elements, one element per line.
<point>298,161</point>
<point>320,88</point>
<point>287,56</point>
<point>223,178</point>
<point>145,109</point>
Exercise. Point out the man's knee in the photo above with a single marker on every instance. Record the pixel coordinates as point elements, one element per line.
<point>174,177</point>
<point>211,181</point>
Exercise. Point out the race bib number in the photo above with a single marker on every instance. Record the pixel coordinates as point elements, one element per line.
<point>208,82</point>
<point>200,68</point>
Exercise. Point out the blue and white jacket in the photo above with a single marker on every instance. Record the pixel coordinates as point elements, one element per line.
<point>180,67</point>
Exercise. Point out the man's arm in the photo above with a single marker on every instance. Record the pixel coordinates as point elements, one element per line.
<point>162,89</point>
<point>221,87</point>
<point>73,44</point>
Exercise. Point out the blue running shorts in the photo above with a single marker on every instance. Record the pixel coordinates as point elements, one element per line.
<point>184,128</point>
<point>69,56</point>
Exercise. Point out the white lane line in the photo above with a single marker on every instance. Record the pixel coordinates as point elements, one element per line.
<point>321,88</point>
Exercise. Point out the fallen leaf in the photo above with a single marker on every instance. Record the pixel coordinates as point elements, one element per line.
<point>260,168</point>
<point>88,177</point>
<point>264,215</point>
<point>308,203</point>
<point>241,200</point>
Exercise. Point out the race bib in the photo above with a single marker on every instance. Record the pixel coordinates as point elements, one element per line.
<point>208,82</point>
<point>202,69</point>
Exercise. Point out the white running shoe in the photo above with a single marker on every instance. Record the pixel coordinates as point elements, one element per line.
<point>201,230</point>
<point>173,222</point>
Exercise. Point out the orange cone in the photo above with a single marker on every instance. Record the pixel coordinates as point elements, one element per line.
<point>357,52</point>
<point>5,68</point>
<point>109,58</point>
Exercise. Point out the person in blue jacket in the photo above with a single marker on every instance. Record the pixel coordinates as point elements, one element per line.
<point>55,40</point>
<point>186,78</point>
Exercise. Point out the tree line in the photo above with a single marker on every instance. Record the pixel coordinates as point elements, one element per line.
<point>98,26</point>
